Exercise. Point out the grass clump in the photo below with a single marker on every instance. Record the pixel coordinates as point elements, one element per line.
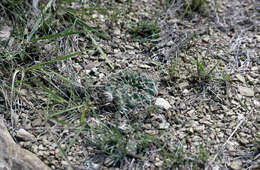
<point>111,142</point>
<point>194,5</point>
<point>165,3</point>
<point>173,70</point>
<point>175,158</point>
<point>144,31</point>
<point>203,155</point>
<point>204,74</point>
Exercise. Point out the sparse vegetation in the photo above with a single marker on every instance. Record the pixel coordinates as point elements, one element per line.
<point>173,70</point>
<point>194,5</point>
<point>55,64</point>
<point>144,31</point>
<point>202,73</point>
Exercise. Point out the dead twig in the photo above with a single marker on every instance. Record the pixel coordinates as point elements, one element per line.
<point>223,146</point>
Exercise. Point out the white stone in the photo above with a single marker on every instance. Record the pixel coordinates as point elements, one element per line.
<point>236,164</point>
<point>162,103</point>
<point>185,91</point>
<point>256,103</point>
<point>117,32</point>
<point>164,125</point>
<point>183,85</point>
<point>245,91</point>
<point>216,167</point>
<point>144,66</point>
<point>241,78</point>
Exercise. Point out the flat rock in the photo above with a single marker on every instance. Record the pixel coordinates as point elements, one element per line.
<point>241,78</point>
<point>24,135</point>
<point>245,91</point>
<point>144,66</point>
<point>183,85</point>
<point>162,103</point>
<point>12,156</point>
<point>236,165</point>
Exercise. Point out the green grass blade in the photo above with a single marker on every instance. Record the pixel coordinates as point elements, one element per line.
<point>83,113</point>
<point>73,140</point>
<point>103,55</point>
<point>37,66</point>
<point>54,96</point>
<point>200,68</point>
<point>55,36</point>
<point>63,154</point>
<point>36,25</point>
<point>64,111</point>
<point>213,68</point>
<point>81,22</point>
<point>64,79</point>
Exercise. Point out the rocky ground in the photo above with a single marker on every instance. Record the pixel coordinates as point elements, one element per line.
<point>169,88</point>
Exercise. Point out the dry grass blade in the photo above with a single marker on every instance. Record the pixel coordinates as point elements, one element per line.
<point>14,116</point>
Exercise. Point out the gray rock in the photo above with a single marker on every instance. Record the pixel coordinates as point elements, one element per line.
<point>13,157</point>
<point>24,135</point>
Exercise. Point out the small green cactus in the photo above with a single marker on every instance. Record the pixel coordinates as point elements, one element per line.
<point>130,90</point>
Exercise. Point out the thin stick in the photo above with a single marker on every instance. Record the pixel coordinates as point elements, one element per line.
<point>223,146</point>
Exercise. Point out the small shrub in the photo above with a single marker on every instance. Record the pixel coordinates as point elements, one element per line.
<point>130,90</point>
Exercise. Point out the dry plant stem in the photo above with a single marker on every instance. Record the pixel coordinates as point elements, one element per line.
<point>13,115</point>
<point>131,164</point>
<point>223,146</point>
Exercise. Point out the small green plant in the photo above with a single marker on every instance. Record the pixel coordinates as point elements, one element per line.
<point>225,77</point>
<point>109,140</point>
<point>144,31</point>
<point>202,73</point>
<point>194,5</point>
<point>203,155</point>
<point>144,142</point>
<point>151,110</point>
<point>173,70</point>
<point>174,159</point>
<point>130,90</point>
